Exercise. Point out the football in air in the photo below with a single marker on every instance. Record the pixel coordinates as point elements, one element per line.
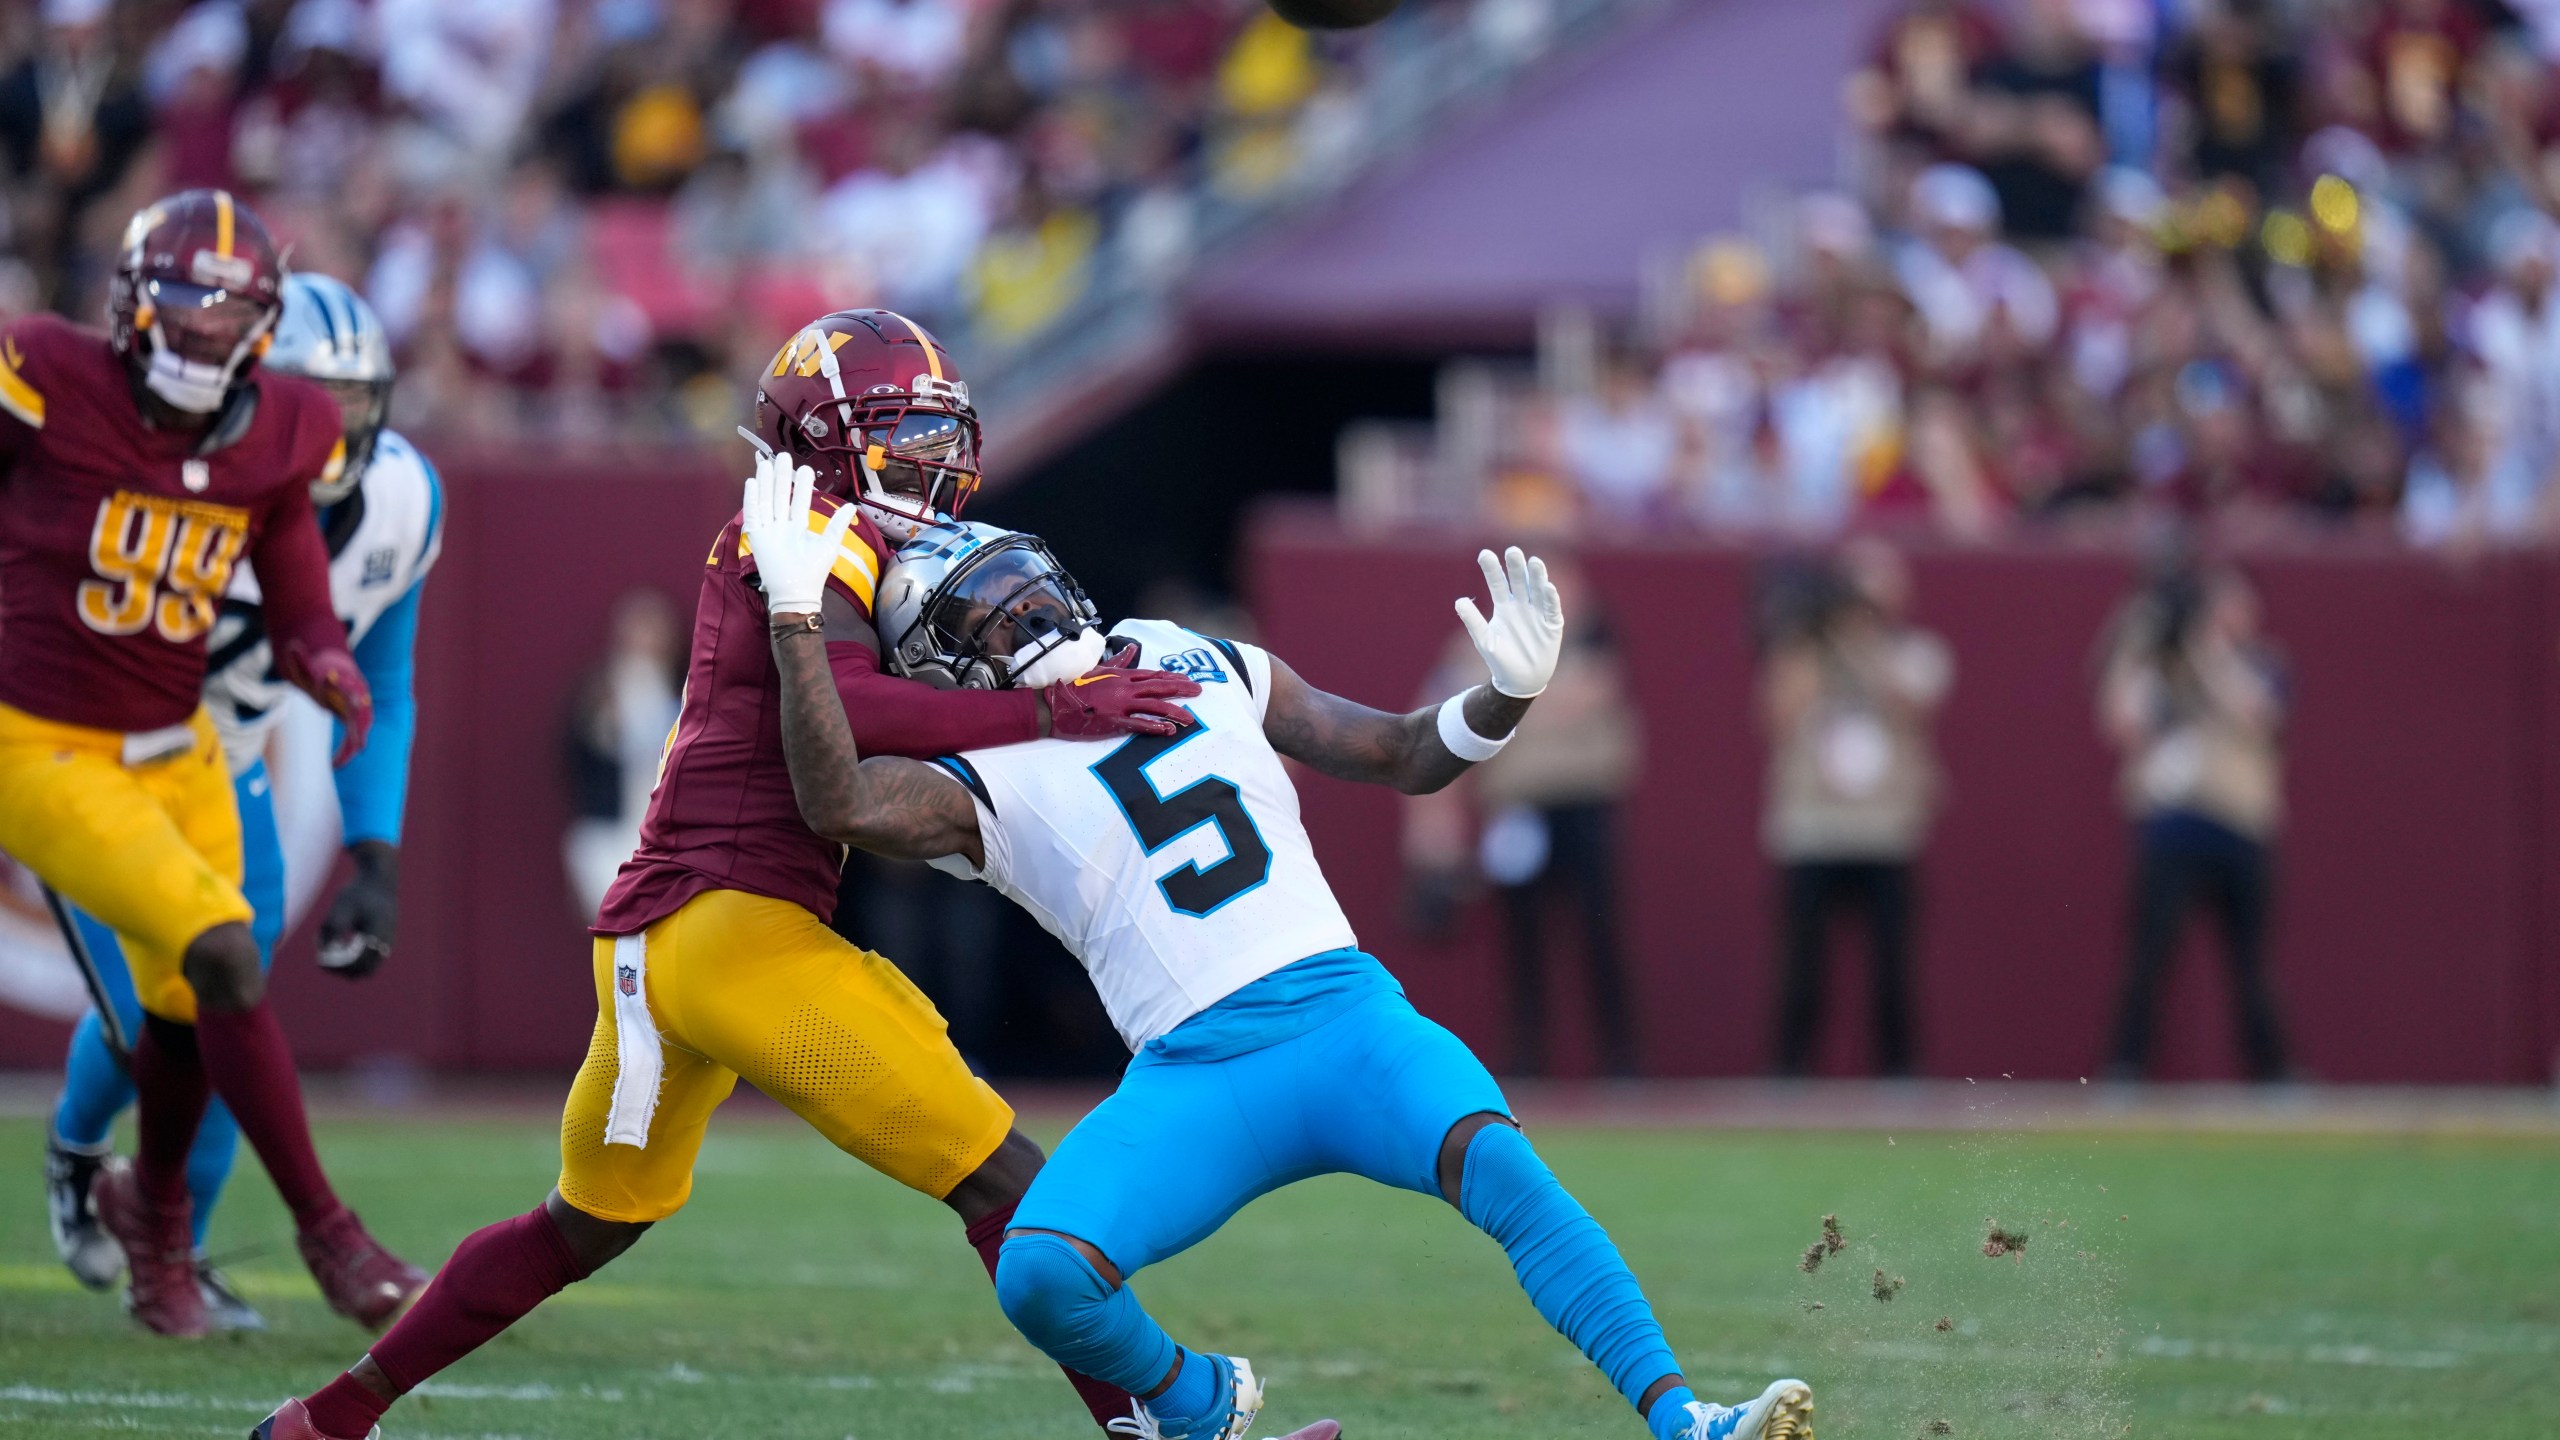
<point>1333,14</point>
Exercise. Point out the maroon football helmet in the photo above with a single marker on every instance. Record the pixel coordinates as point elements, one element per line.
<point>876,407</point>
<point>198,287</point>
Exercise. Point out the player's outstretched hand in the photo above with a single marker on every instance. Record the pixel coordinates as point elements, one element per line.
<point>356,935</point>
<point>1110,701</point>
<point>333,678</point>
<point>792,560</point>
<point>1526,634</point>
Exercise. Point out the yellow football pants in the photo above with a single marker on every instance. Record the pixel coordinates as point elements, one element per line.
<point>735,984</point>
<point>151,850</point>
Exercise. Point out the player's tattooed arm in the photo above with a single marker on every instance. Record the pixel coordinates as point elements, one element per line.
<point>1349,741</point>
<point>902,809</point>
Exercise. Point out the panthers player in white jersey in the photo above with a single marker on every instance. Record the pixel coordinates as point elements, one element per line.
<point>1268,1047</point>
<point>382,519</point>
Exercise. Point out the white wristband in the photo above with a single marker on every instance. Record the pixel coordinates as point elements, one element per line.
<point>1462,741</point>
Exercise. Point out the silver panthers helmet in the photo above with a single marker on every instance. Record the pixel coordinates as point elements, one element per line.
<point>329,335</point>
<point>973,606</point>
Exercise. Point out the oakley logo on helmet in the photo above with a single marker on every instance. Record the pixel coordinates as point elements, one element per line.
<point>222,272</point>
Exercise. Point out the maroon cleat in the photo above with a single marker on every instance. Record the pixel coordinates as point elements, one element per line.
<point>159,1252</point>
<point>292,1421</point>
<point>359,1279</point>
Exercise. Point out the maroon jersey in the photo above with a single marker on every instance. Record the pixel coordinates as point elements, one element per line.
<point>117,540</point>
<point>723,816</point>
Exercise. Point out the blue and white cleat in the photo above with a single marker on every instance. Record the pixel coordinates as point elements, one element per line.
<point>1244,1402</point>
<point>1784,1411</point>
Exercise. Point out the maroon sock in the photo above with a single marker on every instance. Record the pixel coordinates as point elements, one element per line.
<point>495,1278</point>
<point>170,1089</point>
<point>252,1069</point>
<point>1106,1402</point>
<point>345,1410</point>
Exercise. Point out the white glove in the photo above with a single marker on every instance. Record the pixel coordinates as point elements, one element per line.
<point>1526,634</point>
<point>792,560</point>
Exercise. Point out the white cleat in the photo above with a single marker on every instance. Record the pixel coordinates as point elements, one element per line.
<point>1784,1411</point>
<point>1244,1402</point>
<point>70,1171</point>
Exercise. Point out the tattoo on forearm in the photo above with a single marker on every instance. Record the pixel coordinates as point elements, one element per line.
<point>914,812</point>
<point>886,805</point>
<point>817,740</point>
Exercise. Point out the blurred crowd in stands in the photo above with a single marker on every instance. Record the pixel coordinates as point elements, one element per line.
<point>581,215</point>
<point>2282,263</point>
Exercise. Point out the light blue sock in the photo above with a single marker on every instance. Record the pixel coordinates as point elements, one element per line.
<point>1564,1259</point>
<point>209,1163</point>
<point>94,1088</point>
<point>1195,1395</point>
<point>1669,1418</point>
<point>1061,1304</point>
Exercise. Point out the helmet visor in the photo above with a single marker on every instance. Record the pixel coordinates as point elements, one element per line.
<point>926,456</point>
<point>1016,601</point>
<point>363,406</point>
<point>203,325</point>
<point>935,435</point>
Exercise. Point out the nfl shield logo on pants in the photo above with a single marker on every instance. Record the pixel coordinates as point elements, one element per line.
<point>628,978</point>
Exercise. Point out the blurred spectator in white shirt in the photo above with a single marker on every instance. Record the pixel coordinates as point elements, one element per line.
<point>521,248</point>
<point>618,724</point>
<point>2471,485</point>
<point>1959,276</point>
<point>916,43</point>
<point>468,68</point>
<point>908,227</point>
<point>2515,333</point>
<point>2119,272</point>
<point>1619,444</point>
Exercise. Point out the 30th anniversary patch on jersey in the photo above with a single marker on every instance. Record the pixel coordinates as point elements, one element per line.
<point>1199,666</point>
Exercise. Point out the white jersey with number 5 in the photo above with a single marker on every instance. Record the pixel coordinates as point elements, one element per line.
<point>1175,869</point>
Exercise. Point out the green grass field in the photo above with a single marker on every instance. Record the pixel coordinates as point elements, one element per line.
<point>2172,1286</point>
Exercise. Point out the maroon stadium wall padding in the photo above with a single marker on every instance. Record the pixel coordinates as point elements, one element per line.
<point>2415,930</point>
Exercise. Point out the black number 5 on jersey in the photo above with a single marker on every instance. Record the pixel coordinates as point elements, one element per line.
<point>1160,820</point>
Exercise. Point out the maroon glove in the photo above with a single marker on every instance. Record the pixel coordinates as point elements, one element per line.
<point>1117,701</point>
<point>333,678</point>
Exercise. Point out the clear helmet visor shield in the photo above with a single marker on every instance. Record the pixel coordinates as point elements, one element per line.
<point>924,461</point>
<point>1011,608</point>
<point>198,338</point>
<point>935,435</point>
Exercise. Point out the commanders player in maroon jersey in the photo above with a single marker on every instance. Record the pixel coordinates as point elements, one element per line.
<point>137,470</point>
<point>712,956</point>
